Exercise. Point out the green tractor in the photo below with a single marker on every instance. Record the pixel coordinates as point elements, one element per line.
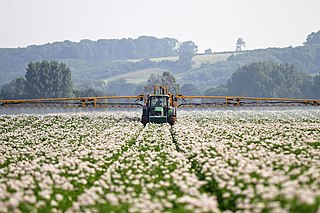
<point>159,107</point>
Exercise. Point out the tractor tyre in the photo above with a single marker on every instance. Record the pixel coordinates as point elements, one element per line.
<point>145,119</point>
<point>172,119</point>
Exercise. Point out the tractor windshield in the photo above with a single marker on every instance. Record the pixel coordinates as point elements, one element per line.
<point>161,101</point>
<point>158,105</point>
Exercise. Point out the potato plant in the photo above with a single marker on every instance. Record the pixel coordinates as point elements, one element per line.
<point>209,161</point>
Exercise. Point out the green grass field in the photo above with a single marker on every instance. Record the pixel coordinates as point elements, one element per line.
<point>199,59</point>
<point>212,58</point>
<point>140,76</point>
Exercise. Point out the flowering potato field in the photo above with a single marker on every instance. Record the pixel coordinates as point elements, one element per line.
<point>209,161</point>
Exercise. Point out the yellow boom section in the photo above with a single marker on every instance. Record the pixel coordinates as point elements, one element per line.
<point>95,102</point>
<point>238,101</point>
<point>180,101</point>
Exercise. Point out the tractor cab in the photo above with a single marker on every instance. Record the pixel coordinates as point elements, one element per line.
<point>158,107</point>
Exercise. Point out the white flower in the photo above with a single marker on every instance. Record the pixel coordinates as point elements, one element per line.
<point>59,197</point>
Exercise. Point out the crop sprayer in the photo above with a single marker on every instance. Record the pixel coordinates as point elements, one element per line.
<point>161,106</point>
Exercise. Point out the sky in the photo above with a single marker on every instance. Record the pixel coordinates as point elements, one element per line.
<point>215,24</point>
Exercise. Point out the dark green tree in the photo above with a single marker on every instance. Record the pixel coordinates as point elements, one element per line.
<point>121,87</point>
<point>189,89</point>
<point>267,79</point>
<point>186,52</point>
<point>316,86</point>
<point>313,39</point>
<point>88,92</point>
<point>48,79</point>
<point>217,91</point>
<point>14,89</point>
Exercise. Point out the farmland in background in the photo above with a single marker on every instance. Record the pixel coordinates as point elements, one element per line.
<point>141,76</point>
<point>200,58</point>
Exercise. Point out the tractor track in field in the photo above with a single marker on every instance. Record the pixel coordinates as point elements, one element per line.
<point>124,148</point>
<point>180,150</point>
<point>211,187</point>
<point>174,140</point>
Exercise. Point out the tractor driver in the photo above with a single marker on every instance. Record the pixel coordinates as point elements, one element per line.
<point>159,102</point>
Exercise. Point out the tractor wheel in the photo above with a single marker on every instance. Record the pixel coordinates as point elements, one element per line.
<point>172,119</point>
<point>145,119</point>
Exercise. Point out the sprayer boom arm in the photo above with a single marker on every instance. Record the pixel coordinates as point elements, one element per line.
<point>180,101</point>
<point>97,102</point>
<point>239,101</point>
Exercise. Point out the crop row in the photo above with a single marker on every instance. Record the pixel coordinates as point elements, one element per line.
<point>152,176</point>
<point>48,161</point>
<point>247,161</point>
<point>255,161</point>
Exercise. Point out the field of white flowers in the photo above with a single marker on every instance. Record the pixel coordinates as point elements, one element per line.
<point>209,161</point>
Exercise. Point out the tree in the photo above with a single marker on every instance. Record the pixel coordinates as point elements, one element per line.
<point>313,39</point>
<point>208,51</point>
<point>187,48</point>
<point>88,92</point>
<point>267,79</point>
<point>14,89</point>
<point>316,86</point>
<point>48,79</point>
<point>186,52</point>
<point>166,79</point>
<point>190,89</point>
<point>121,87</point>
<point>240,43</point>
<point>217,91</point>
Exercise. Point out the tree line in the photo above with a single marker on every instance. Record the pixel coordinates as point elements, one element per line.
<point>306,58</point>
<point>49,79</point>
<point>14,60</point>
<point>95,60</point>
<point>43,79</point>
<point>272,72</point>
<point>270,79</point>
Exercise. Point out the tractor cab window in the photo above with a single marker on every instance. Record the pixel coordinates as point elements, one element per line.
<point>158,105</point>
<point>158,102</point>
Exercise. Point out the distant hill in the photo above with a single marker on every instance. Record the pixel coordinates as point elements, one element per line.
<point>135,60</point>
<point>142,75</point>
<point>306,58</point>
<point>13,61</point>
